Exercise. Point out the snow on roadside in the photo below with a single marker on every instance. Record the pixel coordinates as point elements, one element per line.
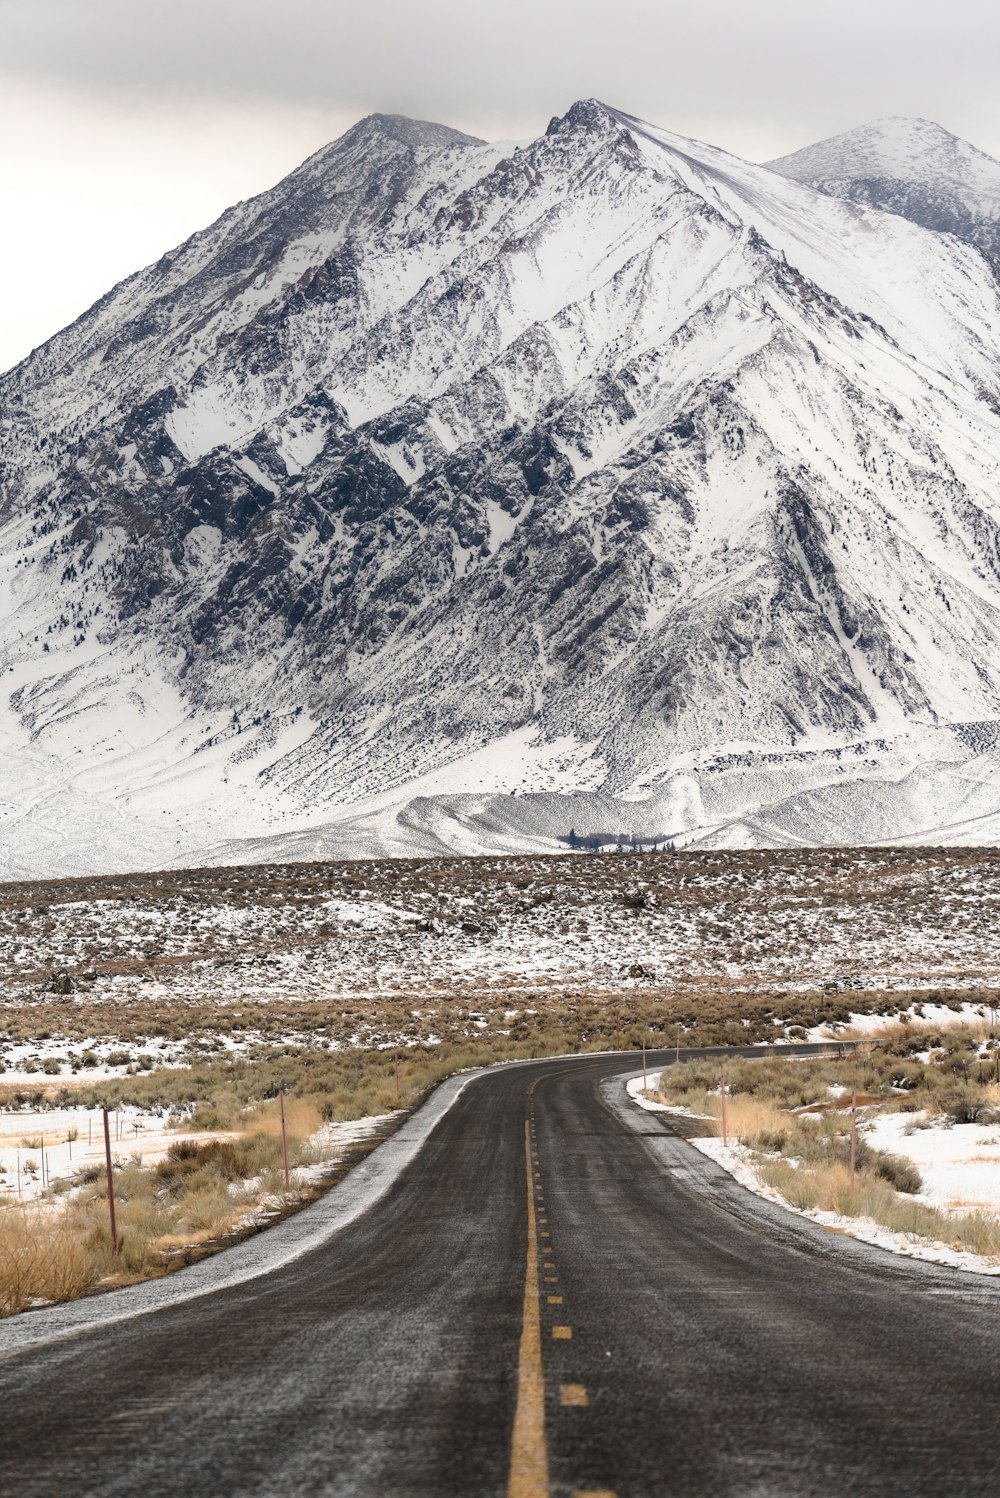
<point>22,1135</point>
<point>333,1139</point>
<point>737,1159</point>
<point>938,1015</point>
<point>635,1092</point>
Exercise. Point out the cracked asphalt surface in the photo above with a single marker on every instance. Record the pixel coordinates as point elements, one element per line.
<point>694,1339</point>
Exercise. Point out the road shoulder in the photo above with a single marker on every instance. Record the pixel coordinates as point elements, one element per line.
<point>696,1173</point>
<point>262,1254</point>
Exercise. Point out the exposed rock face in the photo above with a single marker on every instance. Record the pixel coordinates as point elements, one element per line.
<point>611,466</point>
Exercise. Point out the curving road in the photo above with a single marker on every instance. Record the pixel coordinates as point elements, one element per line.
<point>557,1296</point>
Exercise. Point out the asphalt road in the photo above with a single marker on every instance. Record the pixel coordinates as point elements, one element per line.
<point>551,1299</point>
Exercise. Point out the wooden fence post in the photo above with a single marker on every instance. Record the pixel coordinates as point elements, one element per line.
<point>111,1184</point>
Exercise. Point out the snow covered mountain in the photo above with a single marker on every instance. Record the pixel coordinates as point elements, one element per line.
<point>611,470</point>
<point>910,167</point>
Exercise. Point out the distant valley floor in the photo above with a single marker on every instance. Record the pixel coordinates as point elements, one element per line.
<point>99,977</point>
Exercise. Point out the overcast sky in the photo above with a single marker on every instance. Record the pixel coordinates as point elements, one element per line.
<point>126,125</point>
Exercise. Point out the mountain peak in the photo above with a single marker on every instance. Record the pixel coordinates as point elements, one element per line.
<point>904,148</point>
<point>909,166</point>
<point>587,114</point>
<point>424,134</point>
<point>601,465</point>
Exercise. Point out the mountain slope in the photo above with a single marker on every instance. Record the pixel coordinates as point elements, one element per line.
<point>911,167</point>
<point>611,464</point>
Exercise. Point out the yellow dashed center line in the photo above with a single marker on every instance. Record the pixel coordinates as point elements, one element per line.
<point>529,1459</point>
<point>529,1462</point>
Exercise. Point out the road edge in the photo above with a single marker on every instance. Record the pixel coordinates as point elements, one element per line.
<point>262,1254</point>
<point>703,1176</point>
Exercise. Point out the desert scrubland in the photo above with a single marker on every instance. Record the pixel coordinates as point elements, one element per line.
<point>185,1001</point>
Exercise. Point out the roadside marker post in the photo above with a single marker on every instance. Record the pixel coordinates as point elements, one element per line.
<point>854,1134</point>
<point>617,1029</point>
<point>644,1068</point>
<point>677,1052</point>
<point>111,1184</point>
<point>284,1135</point>
<point>725,1124</point>
<point>395,1062</point>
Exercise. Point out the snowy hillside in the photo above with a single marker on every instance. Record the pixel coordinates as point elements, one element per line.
<point>612,471</point>
<point>910,167</point>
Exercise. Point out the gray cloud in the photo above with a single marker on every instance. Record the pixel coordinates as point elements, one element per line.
<point>761,74</point>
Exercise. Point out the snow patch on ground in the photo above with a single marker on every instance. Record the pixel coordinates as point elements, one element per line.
<point>135,1133</point>
<point>959,1163</point>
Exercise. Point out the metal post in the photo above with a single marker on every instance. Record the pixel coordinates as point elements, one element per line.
<point>677,1052</point>
<point>111,1184</point>
<point>617,1029</point>
<point>18,1153</point>
<point>284,1136</point>
<point>854,1134</point>
<point>644,1068</point>
<point>725,1123</point>
<point>395,1061</point>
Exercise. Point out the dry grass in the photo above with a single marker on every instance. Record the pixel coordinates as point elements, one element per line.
<point>886,1071</point>
<point>828,1189</point>
<point>44,1257</point>
<point>60,1248</point>
<point>303,1116</point>
<point>754,1122</point>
